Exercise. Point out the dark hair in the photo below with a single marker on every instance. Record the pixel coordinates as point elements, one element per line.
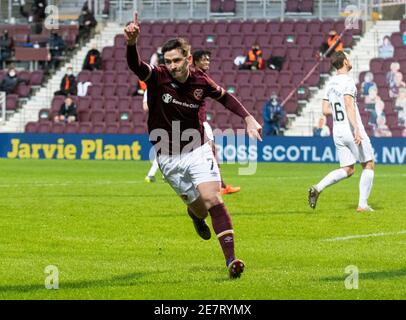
<point>197,55</point>
<point>337,59</point>
<point>177,43</point>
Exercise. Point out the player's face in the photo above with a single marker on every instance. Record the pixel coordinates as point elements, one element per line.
<point>204,63</point>
<point>177,64</point>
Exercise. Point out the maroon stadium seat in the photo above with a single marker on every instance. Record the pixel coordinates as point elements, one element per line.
<point>110,103</point>
<point>109,64</point>
<point>97,116</point>
<point>44,127</point>
<point>300,26</point>
<point>11,102</point>
<point>123,89</point>
<point>375,65</point>
<point>107,53</point>
<point>31,127</point>
<point>287,27</point>
<point>119,41</point>
<point>98,128</point>
<point>96,77</point>
<point>111,116</point>
<point>125,128</point>
<point>72,127</point>
<point>95,90</point>
<point>109,90</point>
<point>84,76</point>
<point>109,77</point>
<point>229,5</point>
<point>260,27</point>
<point>122,77</point>
<point>23,90</point>
<point>292,6</point>
<point>306,6</point>
<point>124,103</point>
<point>111,128</point>
<point>84,115</point>
<point>84,127</point>
<point>58,127</point>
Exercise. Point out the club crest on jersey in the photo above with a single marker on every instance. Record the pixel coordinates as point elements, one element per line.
<point>198,94</point>
<point>166,97</point>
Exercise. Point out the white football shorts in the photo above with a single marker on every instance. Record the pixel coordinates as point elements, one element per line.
<point>349,153</point>
<point>184,172</point>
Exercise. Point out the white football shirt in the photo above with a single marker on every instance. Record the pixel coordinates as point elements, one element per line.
<point>339,86</point>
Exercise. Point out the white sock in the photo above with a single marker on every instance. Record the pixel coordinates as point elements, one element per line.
<point>331,178</point>
<point>154,169</point>
<point>365,186</point>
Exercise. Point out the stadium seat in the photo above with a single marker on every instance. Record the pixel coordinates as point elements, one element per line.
<point>111,128</point>
<point>72,127</point>
<point>84,128</point>
<point>98,128</point>
<point>31,127</point>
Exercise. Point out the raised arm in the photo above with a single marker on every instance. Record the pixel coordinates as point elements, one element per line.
<point>254,129</point>
<point>136,65</point>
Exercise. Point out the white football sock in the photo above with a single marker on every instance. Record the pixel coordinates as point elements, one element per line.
<point>331,178</point>
<point>154,169</point>
<point>365,186</point>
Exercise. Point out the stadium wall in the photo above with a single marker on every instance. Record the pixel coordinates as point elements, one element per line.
<point>231,149</point>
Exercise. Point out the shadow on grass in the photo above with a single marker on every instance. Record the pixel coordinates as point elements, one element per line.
<point>378,275</point>
<point>120,280</point>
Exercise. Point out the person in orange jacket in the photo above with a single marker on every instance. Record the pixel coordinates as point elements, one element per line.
<point>332,42</point>
<point>254,58</point>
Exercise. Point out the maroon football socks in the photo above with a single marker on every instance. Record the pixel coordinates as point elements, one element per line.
<point>223,228</point>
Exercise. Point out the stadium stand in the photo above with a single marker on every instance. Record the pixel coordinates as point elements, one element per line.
<point>111,88</point>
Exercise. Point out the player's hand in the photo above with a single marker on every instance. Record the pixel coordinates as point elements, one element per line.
<point>357,136</point>
<point>132,30</point>
<point>254,129</point>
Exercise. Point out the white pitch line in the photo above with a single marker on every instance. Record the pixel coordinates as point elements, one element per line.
<point>381,234</point>
<point>67,183</point>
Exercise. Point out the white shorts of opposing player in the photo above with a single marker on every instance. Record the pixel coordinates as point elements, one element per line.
<point>349,152</point>
<point>186,171</point>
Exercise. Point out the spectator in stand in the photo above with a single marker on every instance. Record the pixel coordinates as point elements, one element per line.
<point>390,76</point>
<point>396,85</point>
<point>400,106</point>
<point>92,59</point>
<point>368,83</point>
<point>334,42</point>
<point>56,48</point>
<point>140,89</point>
<point>273,115</point>
<point>322,129</point>
<point>377,112</point>
<point>67,112</point>
<point>68,83</point>
<point>157,57</point>
<point>381,129</point>
<point>386,50</point>
<point>254,60</point>
<point>86,22</point>
<point>371,98</point>
<point>10,81</point>
<point>6,44</point>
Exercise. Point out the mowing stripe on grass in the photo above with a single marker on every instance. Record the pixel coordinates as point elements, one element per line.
<point>360,236</point>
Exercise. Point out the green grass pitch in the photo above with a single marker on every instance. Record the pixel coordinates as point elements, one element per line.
<point>113,236</point>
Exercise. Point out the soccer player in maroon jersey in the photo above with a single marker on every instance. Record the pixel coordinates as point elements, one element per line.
<point>176,91</point>
<point>201,60</point>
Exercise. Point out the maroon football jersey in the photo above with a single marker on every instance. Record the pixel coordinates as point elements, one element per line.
<point>174,106</point>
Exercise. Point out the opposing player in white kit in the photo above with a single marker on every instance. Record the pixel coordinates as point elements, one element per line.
<point>350,138</point>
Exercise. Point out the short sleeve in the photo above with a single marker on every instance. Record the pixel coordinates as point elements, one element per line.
<point>325,96</point>
<point>213,90</point>
<point>350,89</point>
